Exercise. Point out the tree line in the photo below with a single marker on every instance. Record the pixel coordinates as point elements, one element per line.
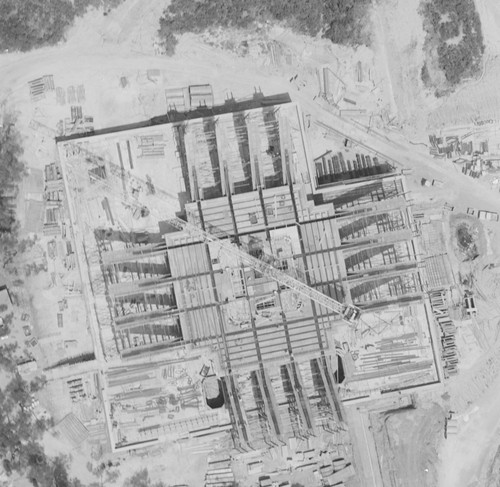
<point>29,24</point>
<point>12,171</point>
<point>453,32</point>
<point>341,21</point>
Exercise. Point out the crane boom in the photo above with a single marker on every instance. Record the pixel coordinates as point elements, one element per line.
<point>266,266</point>
<point>348,312</point>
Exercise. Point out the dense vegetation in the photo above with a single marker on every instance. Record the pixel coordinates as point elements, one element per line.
<point>141,479</point>
<point>21,430</point>
<point>11,174</point>
<point>453,35</point>
<point>342,21</point>
<point>81,6</point>
<point>33,23</point>
<point>28,24</point>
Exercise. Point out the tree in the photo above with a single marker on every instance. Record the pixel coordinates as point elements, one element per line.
<point>33,23</point>
<point>60,473</point>
<point>7,319</point>
<point>7,361</point>
<point>81,6</point>
<point>11,173</point>
<point>4,330</point>
<point>37,384</point>
<point>346,20</point>
<point>29,24</point>
<point>141,479</point>
<point>168,39</point>
<point>7,466</point>
<point>458,41</point>
<point>112,476</point>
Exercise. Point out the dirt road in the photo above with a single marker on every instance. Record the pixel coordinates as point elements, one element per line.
<point>365,453</point>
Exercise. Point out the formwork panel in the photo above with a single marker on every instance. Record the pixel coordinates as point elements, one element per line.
<point>188,261</point>
<point>201,323</point>
<point>319,235</point>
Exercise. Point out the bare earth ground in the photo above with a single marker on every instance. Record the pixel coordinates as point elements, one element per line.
<point>399,39</point>
<point>465,458</point>
<point>407,444</point>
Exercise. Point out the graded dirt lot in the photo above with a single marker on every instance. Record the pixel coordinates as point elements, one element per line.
<point>407,443</point>
<point>399,38</point>
<point>465,457</point>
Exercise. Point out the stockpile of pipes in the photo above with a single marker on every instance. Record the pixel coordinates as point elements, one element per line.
<point>394,355</point>
<point>449,353</point>
<point>38,87</point>
<point>219,473</point>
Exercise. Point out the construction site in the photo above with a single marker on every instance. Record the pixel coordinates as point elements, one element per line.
<point>265,260</point>
<point>242,288</point>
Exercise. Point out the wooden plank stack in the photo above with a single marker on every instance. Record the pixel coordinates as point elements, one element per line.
<point>219,473</point>
<point>448,329</point>
<point>38,87</point>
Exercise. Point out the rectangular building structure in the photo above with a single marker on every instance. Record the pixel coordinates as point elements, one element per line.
<point>244,172</point>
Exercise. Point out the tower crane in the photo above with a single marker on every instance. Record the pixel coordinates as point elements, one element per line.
<point>348,312</point>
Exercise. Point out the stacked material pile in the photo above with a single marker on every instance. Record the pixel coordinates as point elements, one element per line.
<point>38,87</point>
<point>219,473</point>
<point>448,332</point>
